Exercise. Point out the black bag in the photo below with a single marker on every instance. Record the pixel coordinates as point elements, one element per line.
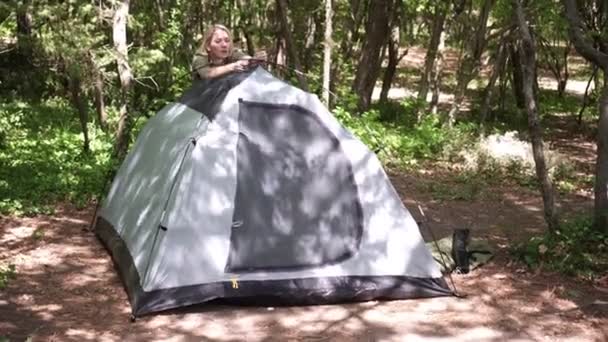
<point>460,240</point>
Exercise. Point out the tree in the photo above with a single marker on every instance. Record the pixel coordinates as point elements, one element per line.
<point>527,53</point>
<point>368,68</point>
<point>119,35</point>
<point>327,52</point>
<point>596,53</point>
<point>471,61</point>
<point>392,46</point>
<point>437,29</point>
<point>291,49</point>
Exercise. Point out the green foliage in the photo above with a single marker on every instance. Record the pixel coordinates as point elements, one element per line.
<point>397,143</point>
<point>6,274</point>
<point>576,249</point>
<point>41,159</point>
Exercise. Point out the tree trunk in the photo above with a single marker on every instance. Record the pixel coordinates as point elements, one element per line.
<point>393,52</point>
<point>599,58</point>
<point>471,61</point>
<point>488,92</point>
<point>291,49</point>
<point>431,54</point>
<point>436,77</point>
<point>391,67</point>
<point>586,95</point>
<point>327,52</point>
<point>368,68</point>
<point>160,16</point>
<point>245,23</point>
<point>78,102</point>
<point>601,170</point>
<point>516,68</point>
<point>528,59</point>
<point>24,29</point>
<point>119,36</point>
<point>100,107</point>
<point>353,22</point>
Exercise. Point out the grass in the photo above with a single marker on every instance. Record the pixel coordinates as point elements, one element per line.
<point>41,158</point>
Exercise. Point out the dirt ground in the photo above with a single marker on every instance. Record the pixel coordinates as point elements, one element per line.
<point>66,288</point>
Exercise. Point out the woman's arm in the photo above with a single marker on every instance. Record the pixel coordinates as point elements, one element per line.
<point>217,71</point>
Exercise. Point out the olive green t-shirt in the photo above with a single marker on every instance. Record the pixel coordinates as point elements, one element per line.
<point>201,63</point>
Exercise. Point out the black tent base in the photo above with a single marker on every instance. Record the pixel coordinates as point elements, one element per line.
<point>274,292</point>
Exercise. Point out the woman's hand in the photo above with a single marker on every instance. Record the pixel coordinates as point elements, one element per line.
<point>240,65</point>
<point>260,55</point>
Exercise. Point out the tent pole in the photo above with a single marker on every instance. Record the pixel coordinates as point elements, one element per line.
<point>428,227</point>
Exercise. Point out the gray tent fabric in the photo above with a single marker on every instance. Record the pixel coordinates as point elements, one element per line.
<point>263,197</point>
<point>294,183</point>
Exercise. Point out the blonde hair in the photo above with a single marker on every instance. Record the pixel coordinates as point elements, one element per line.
<point>209,35</point>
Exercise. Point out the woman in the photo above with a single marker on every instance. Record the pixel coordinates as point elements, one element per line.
<point>216,56</point>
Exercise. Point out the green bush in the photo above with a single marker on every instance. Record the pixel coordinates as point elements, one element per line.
<point>575,249</point>
<point>6,274</point>
<point>42,160</point>
<point>402,143</point>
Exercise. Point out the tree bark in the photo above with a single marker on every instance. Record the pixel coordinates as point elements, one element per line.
<point>489,90</point>
<point>393,52</point>
<point>431,54</point>
<point>471,61</point>
<point>598,57</point>
<point>436,77</point>
<point>327,52</point>
<point>24,29</point>
<point>586,95</point>
<point>75,86</point>
<point>291,49</point>
<point>516,72</point>
<point>528,58</point>
<point>368,66</point>
<point>100,106</point>
<point>160,16</point>
<point>119,36</point>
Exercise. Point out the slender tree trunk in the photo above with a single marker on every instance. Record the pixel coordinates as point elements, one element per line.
<point>160,14</point>
<point>436,77</point>
<point>528,58</point>
<point>586,95</point>
<point>119,36</point>
<point>469,66</point>
<point>368,68</point>
<point>601,169</point>
<point>518,83</point>
<point>24,29</point>
<point>100,107</point>
<point>245,23</point>
<point>291,49</point>
<point>327,52</point>
<point>353,23</point>
<point>431,53</point>
<point>78,102</point>
<point>489,90</point>
<point>598,57</point>
<point>393,52</point>
<point>391,67</point>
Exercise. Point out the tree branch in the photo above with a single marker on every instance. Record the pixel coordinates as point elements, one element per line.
<point>582,45</point>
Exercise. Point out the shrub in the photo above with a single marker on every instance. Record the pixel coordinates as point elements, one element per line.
<point>575,249</point>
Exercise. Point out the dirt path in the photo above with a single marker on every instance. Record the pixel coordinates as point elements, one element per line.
<point>67,290</point>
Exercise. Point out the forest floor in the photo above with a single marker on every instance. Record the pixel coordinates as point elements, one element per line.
<point>65,287</point>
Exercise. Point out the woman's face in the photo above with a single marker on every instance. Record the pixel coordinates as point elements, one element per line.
<point>219,46</point>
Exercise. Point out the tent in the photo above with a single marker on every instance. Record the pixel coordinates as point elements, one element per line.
<point>248,190</point>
